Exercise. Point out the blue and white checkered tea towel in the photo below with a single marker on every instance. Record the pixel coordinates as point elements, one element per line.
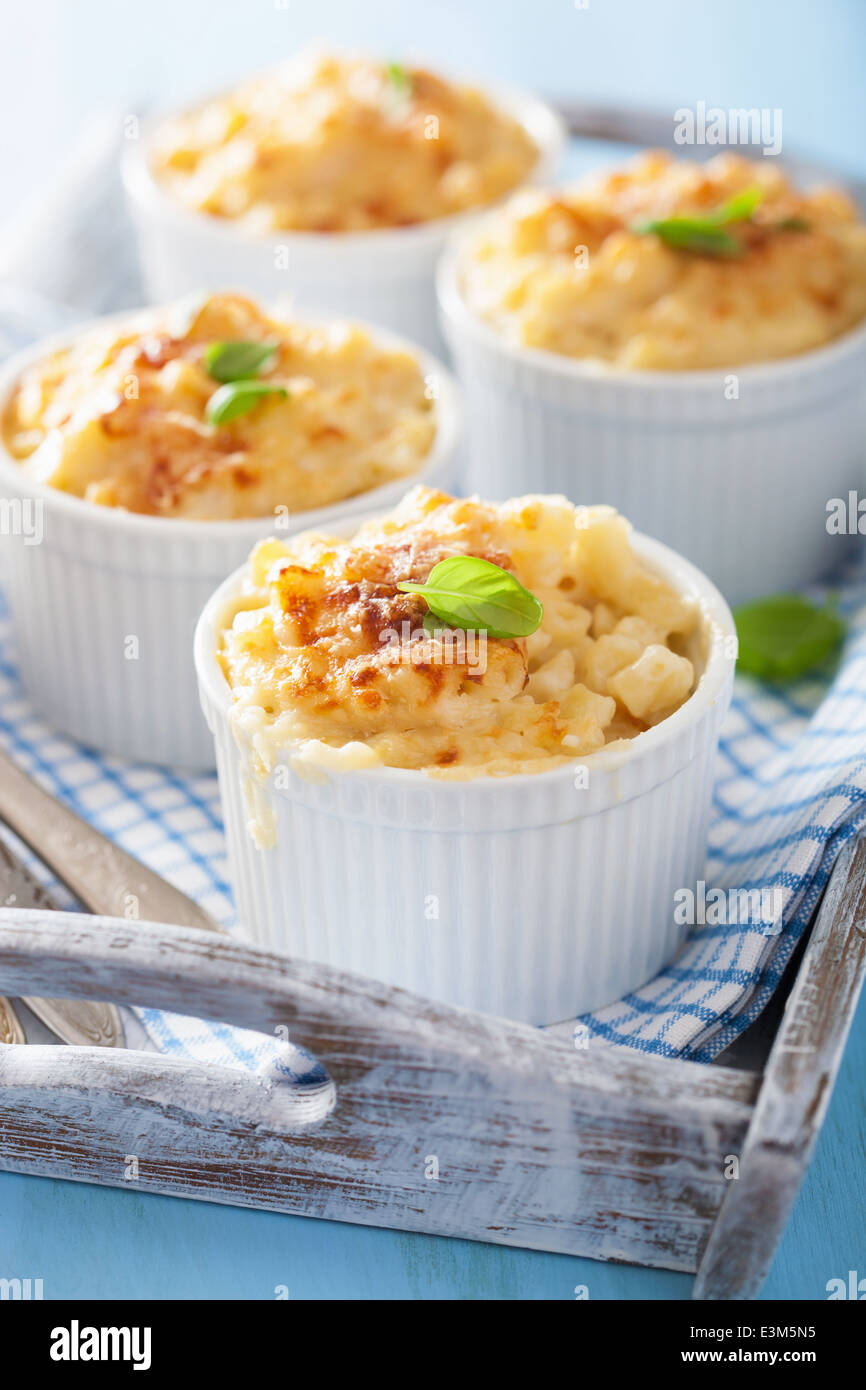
<point>791,789</point>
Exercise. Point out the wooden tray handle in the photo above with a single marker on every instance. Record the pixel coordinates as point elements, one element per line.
<point>187,971</point>
<point>352,1024</point>
<point>358,1028</point>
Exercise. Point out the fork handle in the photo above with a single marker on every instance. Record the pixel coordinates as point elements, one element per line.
<point>101,876</point>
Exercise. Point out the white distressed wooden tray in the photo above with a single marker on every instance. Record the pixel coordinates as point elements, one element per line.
<point>437,1120</point>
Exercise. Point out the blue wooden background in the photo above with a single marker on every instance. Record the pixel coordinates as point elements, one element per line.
<point>59,62</point>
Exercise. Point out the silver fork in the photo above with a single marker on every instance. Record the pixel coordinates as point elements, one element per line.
<point>90,1024</point>
<point>101,876</point>
<point>10,1026</point>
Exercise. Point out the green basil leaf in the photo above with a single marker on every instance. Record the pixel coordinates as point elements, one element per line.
<point>239,398</point>
<point>695,234</point>
<point>706,235</point>
<point>737,209</point>
<point>783,637</point>
<point>237,361</point>
<point>468,592</point>
<point>399,80</point>
<point>432,624</point>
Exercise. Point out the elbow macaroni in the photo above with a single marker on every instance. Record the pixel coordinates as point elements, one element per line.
<point>329,662</point>
<point>566,273</point>
<point>328,144</point>
<point>119,417</point>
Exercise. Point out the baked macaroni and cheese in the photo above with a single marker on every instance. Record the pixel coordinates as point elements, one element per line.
<point>328,659</point>
<point>672,265</point>
<point>224,415</point>
<point>328,144</point>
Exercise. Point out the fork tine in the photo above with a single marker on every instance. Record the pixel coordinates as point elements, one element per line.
<point>10,1026</point>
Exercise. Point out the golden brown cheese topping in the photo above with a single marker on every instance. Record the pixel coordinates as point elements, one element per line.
<point>328,661</point>
<point>121,417</point>
<point>330,144</point>
<point>568,272</point>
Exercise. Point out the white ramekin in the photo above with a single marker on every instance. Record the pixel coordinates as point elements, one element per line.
<point>385,276</point>
<point>104,606</point>
<point>733,467</point>
<point>530,897</point>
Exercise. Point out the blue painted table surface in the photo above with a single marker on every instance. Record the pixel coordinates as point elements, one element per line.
<point>806,59</point>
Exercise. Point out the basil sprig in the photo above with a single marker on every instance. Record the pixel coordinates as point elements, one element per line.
<point>238,361</point>
<point>399,80</point>
<point>237,364</point>
<point>785,636</point>
<point>239,398</point>
<point>739,208</point>
<point>689,234</point>
<point>468,592</point>
<point>707,236</point>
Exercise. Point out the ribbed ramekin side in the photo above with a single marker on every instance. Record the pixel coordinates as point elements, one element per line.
<point>538,923</point>
<point>104,625</point>
<point>734,470</point>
